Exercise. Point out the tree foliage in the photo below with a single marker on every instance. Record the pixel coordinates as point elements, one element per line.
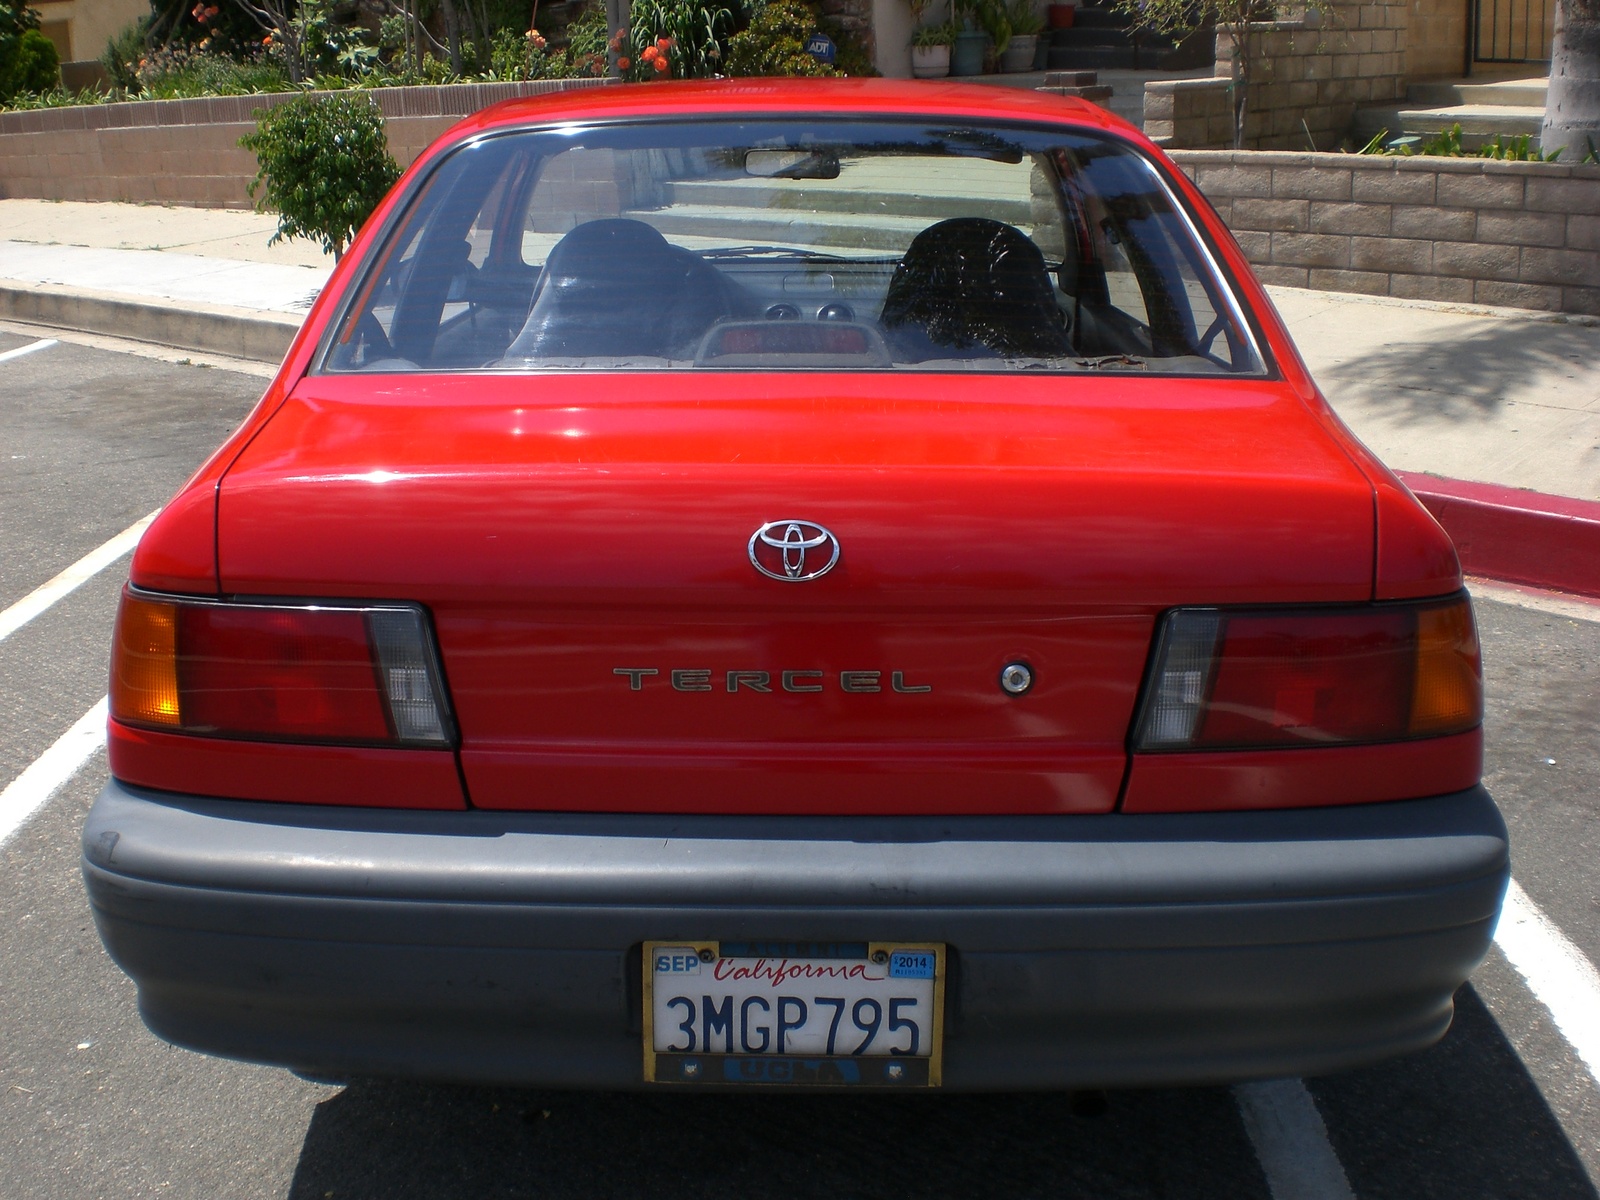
<point>28,62</point>
<point>1243,21</point>
<point>324,166</point>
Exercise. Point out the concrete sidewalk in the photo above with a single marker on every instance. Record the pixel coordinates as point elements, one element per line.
<point>1497,397</point>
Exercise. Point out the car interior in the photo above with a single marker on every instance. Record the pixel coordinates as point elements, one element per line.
<point>508,262</point>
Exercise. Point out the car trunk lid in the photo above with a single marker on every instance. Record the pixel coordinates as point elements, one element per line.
<point>583,544</point>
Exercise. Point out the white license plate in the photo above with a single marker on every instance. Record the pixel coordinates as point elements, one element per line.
<point>831,1015</point>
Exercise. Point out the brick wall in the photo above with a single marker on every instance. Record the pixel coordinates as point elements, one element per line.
<point>1455,229</point>
<point>1307,81</point>
<point>187,151</point>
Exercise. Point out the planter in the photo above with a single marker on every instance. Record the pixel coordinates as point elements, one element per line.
<point>966,56</point>
<point>1019,53</point>
<point>1062,15</point>
<point>930,62</point>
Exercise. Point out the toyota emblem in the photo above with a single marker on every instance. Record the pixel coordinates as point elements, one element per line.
<point>793,551</point>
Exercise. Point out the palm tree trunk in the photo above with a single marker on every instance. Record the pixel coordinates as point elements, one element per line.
<point>1572,108</point>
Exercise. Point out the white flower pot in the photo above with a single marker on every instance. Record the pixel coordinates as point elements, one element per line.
<point>1019,53</point>
<point>930,62</point>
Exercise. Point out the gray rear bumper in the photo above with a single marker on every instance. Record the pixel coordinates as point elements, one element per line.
<point>1086,951</point>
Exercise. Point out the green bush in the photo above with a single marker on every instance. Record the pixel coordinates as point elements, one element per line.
<point>123,52</point>
<point>28,62</point>
<point>183,72</point>
<point>775,42</point>
<point>36,67</point>
<point>586,42</point>
<point>324,167</point>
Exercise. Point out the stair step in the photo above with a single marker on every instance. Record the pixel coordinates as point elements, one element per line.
<point>1515,93</point>
<point>1105,58</point>
<point>782,206</point>
<point>1065,38</point>
<point>1071,79</point>
<point>1101,18</point>
<point>1479,123</point>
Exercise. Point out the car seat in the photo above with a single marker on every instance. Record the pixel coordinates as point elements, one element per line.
<point>973,286</point>
<point>616,288</point>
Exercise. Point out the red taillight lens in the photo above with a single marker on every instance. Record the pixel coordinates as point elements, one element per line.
<point>305,673</point>
<point>290,673</point>
<point>1313,677</point>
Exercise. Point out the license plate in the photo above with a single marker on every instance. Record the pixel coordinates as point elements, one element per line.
<point>856,1014</point>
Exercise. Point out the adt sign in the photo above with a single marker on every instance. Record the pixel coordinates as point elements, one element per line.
<point>820,46</point>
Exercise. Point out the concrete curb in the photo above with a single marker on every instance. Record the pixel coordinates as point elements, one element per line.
<point>241,333</point>
<point>1516,535</point>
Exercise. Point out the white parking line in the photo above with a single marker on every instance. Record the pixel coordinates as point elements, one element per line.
<point>48,773</point>
<point>1556,971</point>
<point>42,344</point>
<point>86,568</point>
<point>1291,1141</point>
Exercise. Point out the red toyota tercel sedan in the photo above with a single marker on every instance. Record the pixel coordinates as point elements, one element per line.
<point>776,583</point>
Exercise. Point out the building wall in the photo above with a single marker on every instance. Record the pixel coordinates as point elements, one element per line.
<point>1436,39</point>
<point>89,24</point>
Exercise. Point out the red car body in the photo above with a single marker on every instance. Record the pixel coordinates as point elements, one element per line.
<point>576,539</point>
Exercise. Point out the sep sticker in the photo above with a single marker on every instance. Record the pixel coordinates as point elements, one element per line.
<point>677,960</point>
<point>912,964</point>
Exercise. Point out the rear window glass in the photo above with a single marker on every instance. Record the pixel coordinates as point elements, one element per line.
<point>769,245</point>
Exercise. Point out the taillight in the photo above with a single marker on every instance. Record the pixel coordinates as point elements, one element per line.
<point>347,674</point>
<point>1257,679</point>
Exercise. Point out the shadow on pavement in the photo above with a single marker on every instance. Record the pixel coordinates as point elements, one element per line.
<point>1467,375</point>
<point>397,1141</point>
<point>1463,1121</point>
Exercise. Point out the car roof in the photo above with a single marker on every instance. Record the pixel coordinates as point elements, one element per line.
<point>798,97</point>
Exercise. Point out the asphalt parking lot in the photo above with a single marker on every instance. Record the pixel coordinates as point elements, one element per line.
<point>94,437</point>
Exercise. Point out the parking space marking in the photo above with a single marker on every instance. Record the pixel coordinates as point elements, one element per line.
<point>1556,971</point>
<point>42,344</point>
<point>79,573</point>
<point>1291,1141</point>
<point>48,773</point>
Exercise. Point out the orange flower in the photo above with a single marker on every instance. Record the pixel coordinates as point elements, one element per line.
<point>623,62</point>
<point>664,43</point>
<point>662,64</point>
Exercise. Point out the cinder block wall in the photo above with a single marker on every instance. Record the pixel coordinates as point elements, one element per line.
<point>187,151</point>
<point>1305,87</point>
<point>1455,229</point>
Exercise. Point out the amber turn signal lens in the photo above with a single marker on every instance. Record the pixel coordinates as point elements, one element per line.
<point>1448,694</point>
<point>144,663</point>
<point>343,674</point>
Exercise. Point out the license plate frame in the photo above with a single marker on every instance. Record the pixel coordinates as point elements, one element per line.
<point>773,1070</point>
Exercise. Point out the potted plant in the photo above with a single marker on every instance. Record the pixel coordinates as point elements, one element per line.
<point>1025,24</point>
<point>996,22</point>
<point>930,50</point>
<point>966,48</point>
<point>1062,15</point>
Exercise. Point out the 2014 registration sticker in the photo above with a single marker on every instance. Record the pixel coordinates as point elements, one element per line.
<point>856,1014</point>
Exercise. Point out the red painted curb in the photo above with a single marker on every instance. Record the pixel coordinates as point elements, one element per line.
<point>1516,535</point>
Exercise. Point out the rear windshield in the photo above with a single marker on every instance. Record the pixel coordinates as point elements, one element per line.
<point>776,245</point>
